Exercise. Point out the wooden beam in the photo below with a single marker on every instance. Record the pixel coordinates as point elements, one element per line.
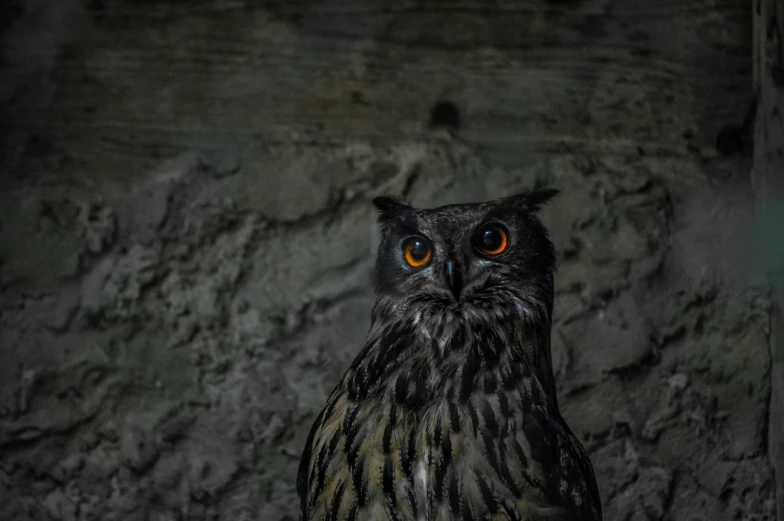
<point>768,181</point>
<point>661,74</point>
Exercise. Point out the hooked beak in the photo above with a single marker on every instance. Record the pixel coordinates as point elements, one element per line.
<point>455,279</point>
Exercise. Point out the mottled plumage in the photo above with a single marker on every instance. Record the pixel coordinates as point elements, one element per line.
<point>449,411</point>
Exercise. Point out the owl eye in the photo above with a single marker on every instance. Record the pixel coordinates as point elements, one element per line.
<point>417,251</point>
<point>491,239</point>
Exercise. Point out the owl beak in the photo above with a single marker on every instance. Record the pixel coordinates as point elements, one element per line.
<point>455,279</point>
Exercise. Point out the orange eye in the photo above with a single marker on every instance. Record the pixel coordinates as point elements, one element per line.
<point>417,251</point>
<point>491,239</point>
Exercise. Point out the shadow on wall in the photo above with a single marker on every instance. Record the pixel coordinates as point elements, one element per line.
<point>33,33</point>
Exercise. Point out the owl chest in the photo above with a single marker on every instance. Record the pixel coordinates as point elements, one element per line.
<point>427,448</point>
<point>407,466</point>
<point>438,462</point>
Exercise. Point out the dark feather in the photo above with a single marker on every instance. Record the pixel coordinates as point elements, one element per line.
<point>539,198</point>
<point>390,208</point>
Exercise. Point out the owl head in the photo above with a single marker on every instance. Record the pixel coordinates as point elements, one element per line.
<point>465,262</point>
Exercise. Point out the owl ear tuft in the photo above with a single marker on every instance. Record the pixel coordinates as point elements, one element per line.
<point>531,201</point>
<point>390,208</point>
<point>538,198</point>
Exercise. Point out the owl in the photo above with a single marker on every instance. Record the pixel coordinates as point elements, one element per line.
<point>449,411</point>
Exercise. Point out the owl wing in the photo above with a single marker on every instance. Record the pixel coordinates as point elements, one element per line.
<point>568,477</point>
<point>358,464</point>
<point>496,461</point>
<point>303,470</point>
<point>323,476</point>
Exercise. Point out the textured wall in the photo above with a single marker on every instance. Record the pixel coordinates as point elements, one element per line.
<point>182,286</point>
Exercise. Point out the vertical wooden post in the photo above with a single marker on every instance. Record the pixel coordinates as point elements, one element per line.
<point>768,182</point>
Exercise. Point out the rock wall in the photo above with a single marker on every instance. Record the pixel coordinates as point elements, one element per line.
<point>181,291</point>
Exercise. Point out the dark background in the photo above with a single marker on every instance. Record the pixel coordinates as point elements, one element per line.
<point>186,238</point>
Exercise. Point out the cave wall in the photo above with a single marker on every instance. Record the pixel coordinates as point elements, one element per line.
<point>186,238</point>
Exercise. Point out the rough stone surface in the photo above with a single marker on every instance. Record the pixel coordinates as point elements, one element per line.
<point>185,272</point>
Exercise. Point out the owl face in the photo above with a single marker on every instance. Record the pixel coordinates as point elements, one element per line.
<point>465,261</point>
